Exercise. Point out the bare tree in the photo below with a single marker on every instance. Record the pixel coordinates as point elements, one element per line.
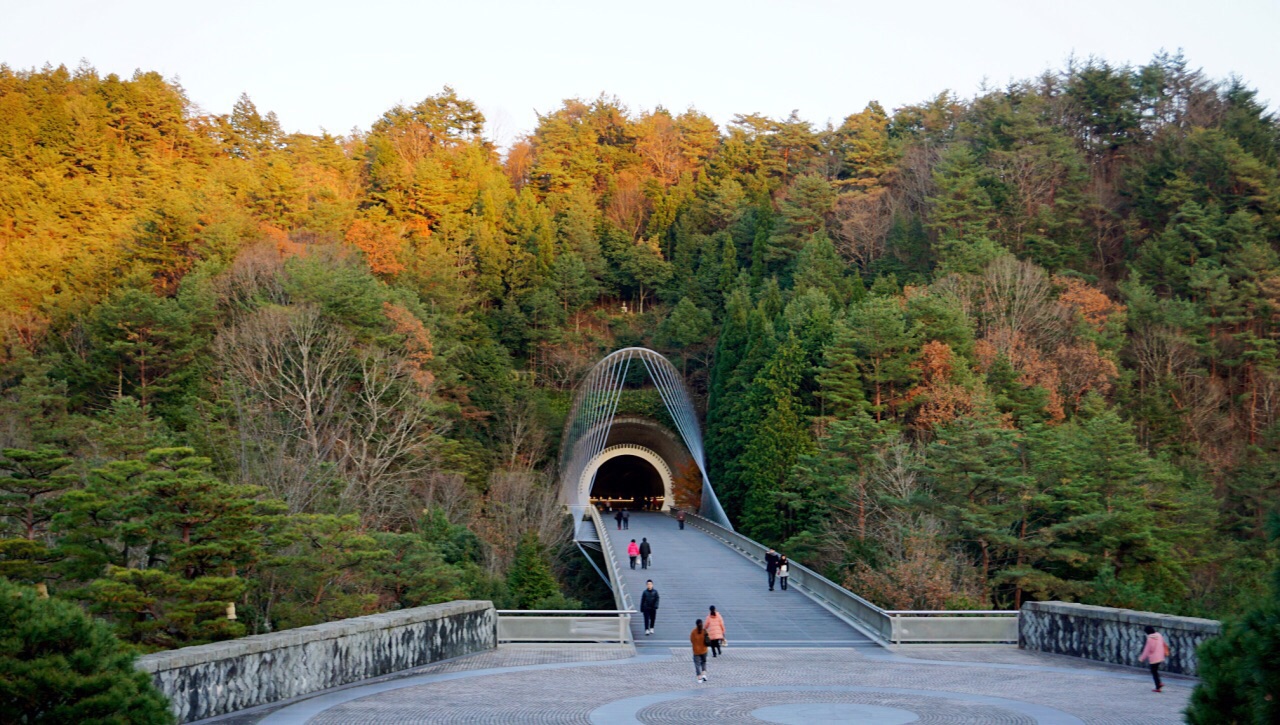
<point>516,502</point>
<point>255,277</point>
<point>285,371</point>
<point>862,224</point>
<point>522,438</point>
<point>385,448</point>
<point>448,492</point>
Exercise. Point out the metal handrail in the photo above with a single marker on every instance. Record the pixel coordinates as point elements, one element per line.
<point>881,625</point>
<point>540,612</point>
<point>926,612</point>
<point>621,598</point>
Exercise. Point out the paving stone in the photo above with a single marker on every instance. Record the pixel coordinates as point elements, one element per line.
<point>571,692</point>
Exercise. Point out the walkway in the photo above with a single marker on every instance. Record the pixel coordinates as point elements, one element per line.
<point>871,686</point>
<point>692,571</point>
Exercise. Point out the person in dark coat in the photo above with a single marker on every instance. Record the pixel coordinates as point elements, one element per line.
<point>645,551</point>
<point>680,519</point>
<point>649,606</point>
<point>771,560</point>
<point>618,517</point>
<point>626,519</point>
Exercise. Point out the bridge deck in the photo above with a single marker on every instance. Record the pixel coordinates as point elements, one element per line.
<point>692,571</point>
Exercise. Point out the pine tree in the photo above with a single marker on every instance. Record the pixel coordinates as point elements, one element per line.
<point>973,466</point>
<point>774,445</point>
<point>886,345</point>
<point>177,540</point>
<point>530,579</point>
<point>29,499</point>
<point>1239,676</point>
<point>837,470</point>
<point>59,666</point>
<point>685,327</point>
<point>960,214</point>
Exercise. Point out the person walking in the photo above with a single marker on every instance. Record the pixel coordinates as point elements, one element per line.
<point>626,519</point>
<point>1153,653</point>
<point>715,631</point>
<point>784,567</point>
<point>680,518</point>
<point>618,517</point>
<point>645,552</point>
<point>633,550</point>
<point>771,566</point>
<point>698,639</point>
<point>649,606</point>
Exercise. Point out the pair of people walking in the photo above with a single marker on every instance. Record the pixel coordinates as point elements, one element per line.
<point>643,551</point>
<point>777,566</point>
<point>706,637</point>
<point>623,518</point>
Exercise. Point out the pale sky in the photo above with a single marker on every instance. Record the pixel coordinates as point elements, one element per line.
<point>339,66</point>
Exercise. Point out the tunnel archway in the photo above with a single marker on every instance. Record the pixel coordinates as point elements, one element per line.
<point>627,473</point>
<point>628,482</point>
<point>594,425</point>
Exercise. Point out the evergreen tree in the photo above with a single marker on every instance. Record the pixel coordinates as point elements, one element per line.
<point>1239,676</point>
<point>59,666</point>
<point>530,581</point>
<point>773,446</point>
<point>177,540</point>
<point>886,345</point>
<point>961,214</point>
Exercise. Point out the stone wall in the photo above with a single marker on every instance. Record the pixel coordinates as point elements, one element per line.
<point>1111,635</point>
<point>214,679</point>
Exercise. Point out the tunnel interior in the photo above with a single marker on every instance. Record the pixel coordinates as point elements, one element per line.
<point>628,482</point>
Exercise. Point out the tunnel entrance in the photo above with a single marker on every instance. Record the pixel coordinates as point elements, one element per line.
<point>628,482</point>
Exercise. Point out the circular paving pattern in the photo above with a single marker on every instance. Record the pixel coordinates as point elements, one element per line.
<point>832,713</point>
<point>823,704</point>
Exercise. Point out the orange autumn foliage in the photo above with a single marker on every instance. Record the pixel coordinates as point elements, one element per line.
<point>686,486</point>
<point>1093,305</point>
<point>941,399</point>
<point>381,244</point>
<point>1033,367</point>
<point>418,348</point>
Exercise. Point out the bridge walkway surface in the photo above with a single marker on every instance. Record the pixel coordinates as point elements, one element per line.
<point>692,571</point>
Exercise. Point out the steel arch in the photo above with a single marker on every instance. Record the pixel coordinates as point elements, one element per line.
<point>591,417</point>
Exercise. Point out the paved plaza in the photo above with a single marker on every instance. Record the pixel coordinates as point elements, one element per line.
<point>869,685</point>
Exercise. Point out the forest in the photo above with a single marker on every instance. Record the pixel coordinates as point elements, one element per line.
<point>966,353</point>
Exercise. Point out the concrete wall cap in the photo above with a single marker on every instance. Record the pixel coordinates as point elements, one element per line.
<point>258,643</point>
<point>1128,616</point>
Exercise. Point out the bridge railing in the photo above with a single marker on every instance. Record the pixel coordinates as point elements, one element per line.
<point>884,626</point>
<point>621,597</point>
<point>576,626</point>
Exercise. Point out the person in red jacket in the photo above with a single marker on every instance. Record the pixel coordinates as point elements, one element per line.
<point>1153,653</point>
<point>633,550</point>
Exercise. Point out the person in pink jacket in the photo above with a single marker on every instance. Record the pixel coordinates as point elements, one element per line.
<point>1153,653</point>
<point>633,550</point>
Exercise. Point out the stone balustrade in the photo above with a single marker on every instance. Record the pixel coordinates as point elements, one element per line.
<point>222,677</point>
<point>1111,635</point>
